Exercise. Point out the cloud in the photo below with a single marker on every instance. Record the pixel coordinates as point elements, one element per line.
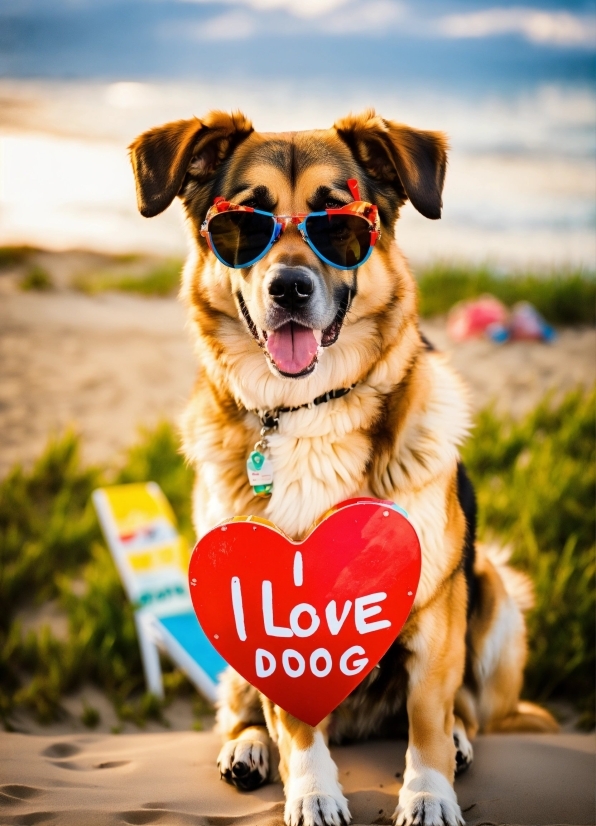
<point>297,8</point>
<point>292,17</point>
<point>374,16</point>
<point>233,25</point>
<point>559,28</point>
<point>241,19</point>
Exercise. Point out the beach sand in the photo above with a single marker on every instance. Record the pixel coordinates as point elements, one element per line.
<point>171,779</point>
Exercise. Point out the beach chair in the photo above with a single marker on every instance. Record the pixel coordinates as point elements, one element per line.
<point>152,559</point>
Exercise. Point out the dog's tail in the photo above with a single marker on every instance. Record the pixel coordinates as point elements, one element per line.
<point>517,584</point>
<point>527,717</point>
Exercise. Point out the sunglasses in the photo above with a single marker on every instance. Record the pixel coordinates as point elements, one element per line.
<point>344,238</point>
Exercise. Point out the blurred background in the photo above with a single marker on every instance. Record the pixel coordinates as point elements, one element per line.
<point>93,343</point>
<point>512,85</point>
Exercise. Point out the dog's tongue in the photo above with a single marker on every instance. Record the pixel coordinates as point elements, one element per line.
<point>292,347</point>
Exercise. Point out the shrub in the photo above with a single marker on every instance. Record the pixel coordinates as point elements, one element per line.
<point>36,278</point>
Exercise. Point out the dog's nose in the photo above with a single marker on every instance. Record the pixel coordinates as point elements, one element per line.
<point>291,288</point>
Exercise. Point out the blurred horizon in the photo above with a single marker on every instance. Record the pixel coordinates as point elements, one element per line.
<point>511,84</point>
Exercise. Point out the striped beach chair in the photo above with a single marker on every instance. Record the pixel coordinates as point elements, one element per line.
<point>152,559</point>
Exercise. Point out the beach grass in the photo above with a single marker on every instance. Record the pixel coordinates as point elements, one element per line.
<point>561,296</point>
<point>36,278</point>
<point>51,550</point>
<point>11,255</point>
<point>535,482</point>
<point>160,279</point>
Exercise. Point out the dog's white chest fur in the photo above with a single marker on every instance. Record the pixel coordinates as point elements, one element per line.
<point>314,468</point>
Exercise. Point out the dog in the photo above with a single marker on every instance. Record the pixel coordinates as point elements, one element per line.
<point>327,360</point>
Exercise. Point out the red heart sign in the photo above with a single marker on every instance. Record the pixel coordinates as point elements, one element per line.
<point>305,622</point>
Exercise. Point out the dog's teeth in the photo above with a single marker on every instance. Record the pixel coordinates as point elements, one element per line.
<point>318,335</point>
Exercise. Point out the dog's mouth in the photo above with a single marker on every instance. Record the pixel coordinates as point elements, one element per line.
<point>292,348</point>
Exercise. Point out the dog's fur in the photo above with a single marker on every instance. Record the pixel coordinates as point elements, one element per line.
<point>457,665</point>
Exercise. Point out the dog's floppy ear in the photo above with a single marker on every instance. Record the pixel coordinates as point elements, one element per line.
<point>162,156</point>
<point>412,160</point>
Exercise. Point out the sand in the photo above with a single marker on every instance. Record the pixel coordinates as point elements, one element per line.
<point>108,363</point>
<point>104,365</point>
<point>171,778</point>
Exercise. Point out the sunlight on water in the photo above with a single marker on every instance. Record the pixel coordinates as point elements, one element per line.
<point>520,186</point>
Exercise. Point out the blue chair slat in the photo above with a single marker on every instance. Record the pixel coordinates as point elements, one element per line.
<point>186,630</point>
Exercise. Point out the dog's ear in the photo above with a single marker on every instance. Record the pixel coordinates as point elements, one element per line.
<point>162,156</point>
<point>411,160</point>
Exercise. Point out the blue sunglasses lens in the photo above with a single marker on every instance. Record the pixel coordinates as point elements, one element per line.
<point>344,239</point>
<point>240,237</point>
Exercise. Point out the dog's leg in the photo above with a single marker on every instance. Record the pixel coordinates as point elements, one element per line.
<point>313,794</point>
<point>435,672</point>
<point>244,759</point>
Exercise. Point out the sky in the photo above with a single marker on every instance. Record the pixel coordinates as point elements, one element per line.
<point>512,83</point>
<point>363,41</point>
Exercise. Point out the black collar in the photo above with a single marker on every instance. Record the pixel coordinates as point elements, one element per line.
<point>270,418</point>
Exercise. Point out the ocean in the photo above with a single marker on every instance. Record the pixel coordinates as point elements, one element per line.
<point>78,81</point>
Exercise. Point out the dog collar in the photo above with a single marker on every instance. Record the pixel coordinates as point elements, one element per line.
<point>270,418</point>
<point>259,467</point>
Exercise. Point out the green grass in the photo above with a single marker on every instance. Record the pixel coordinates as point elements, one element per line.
<point>160,280</point>
<point>535,482</point>
<point>36,278</point>
<point>12,256</point>
<point>51,548</point>
<point>562,297</point>
<point>90,716</point>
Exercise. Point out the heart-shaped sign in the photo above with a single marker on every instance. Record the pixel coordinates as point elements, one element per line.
<point>305,622</point>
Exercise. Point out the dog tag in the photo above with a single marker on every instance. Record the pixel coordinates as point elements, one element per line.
<point>260,473</point>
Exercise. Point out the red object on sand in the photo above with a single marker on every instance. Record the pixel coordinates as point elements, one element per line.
<point>305,622</point>
<point>470,319</point>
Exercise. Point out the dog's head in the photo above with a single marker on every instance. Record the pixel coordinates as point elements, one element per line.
<point>291,301</point>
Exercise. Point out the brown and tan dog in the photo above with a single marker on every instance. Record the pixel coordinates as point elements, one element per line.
<point>456,667</point>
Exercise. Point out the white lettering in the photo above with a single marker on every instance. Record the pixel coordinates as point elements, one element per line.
<point>290,654</point>
<point>238,608</point>
<point>298,569</point>
<point>304,608</point>
<point>361,613</point>
<point>333,622</point>
<point>262,669</point>
<point>271,629</point>
<point>320,654</point>
<point>357,665</point>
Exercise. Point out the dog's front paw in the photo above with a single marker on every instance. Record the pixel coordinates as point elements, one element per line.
<point>317,810</point>
<point>244,763</point>
<point>427,809</point>
<point>426,799</point>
